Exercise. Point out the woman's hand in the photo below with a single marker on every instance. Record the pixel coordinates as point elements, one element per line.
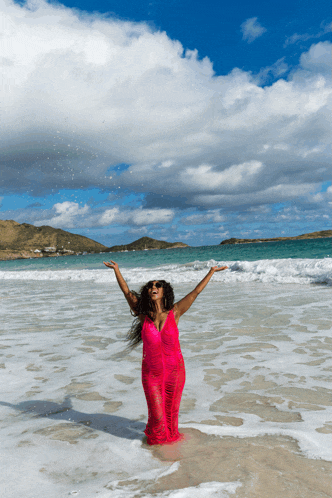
<point>216,268</point>
<point>113,265</point>
<point>131,298</point>
<point>184,304</point>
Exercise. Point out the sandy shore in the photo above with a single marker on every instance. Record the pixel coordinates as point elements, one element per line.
<point>256,410</point>
<point>263,467</point>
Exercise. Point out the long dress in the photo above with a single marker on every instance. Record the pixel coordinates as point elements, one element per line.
<point>163,378</point>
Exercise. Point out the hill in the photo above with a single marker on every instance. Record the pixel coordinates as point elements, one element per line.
<point>312,235</point>
<point>27,241</point>
<point>146,243</point>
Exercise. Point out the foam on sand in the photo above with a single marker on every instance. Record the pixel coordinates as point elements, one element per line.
<point>256,407</point>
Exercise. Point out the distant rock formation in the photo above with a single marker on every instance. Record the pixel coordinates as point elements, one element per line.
<point>22,241</point>
<point>313,235</point>
<point>146,243</point>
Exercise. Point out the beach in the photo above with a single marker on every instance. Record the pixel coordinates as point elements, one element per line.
<point>256,411</point>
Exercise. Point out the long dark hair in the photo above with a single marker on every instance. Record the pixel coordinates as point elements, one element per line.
<point>145,307</point>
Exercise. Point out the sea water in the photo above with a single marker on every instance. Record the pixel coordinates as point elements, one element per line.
<point>257,405</point>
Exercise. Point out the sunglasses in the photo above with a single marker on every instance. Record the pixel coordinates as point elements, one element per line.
<point>157,284</point>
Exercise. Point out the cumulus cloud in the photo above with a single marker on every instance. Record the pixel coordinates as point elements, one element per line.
<point>83,94</point>
<point>65,214</point>
<point>72,215</point>
<point>318,59</point>
<point>252,29</point>
<point>237,177</point>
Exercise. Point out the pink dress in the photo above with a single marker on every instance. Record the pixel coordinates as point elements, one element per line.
<point>163,378</point>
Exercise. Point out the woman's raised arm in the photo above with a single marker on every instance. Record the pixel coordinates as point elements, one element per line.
<point>184,304</point>
<point>131,298</point>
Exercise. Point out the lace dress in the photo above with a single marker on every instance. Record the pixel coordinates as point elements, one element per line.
<point>163,378</point>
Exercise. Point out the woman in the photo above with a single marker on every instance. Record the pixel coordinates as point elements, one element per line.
<point>163,373</point>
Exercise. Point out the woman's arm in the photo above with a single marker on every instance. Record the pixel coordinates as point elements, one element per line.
<point>185,303</point>
<point>131,298</point>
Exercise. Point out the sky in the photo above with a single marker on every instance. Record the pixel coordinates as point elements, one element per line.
<point>181,121</point>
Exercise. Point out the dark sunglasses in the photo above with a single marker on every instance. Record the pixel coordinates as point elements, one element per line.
<point>157,284</point>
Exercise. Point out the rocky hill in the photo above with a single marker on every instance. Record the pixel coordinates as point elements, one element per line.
<point>22,241</point>
<point>146,243</point>
<point>313,235</point>
<point>27,241</point>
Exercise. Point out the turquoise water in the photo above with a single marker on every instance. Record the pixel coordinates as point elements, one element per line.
<point>304,249</point>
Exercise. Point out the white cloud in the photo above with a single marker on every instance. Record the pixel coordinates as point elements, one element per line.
<point>213,216</point>
<point>152,216</point>
<point>318,59</point>
<point>109,216</point>
<point>276,70</point>
<point>271,195</point>
<point>235,177</point>
<point>66,214</point>
<point>295,38</point>
<point>252,29</point>
<point>72,215</point>
<point>84,94</point>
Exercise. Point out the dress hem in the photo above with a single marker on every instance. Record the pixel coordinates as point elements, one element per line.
<point>155,442</point>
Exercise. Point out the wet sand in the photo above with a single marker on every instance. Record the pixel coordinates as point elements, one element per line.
<point>265,467</point>
<point>255,412</point>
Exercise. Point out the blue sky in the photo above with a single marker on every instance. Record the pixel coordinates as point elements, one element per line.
<point>190,121</point>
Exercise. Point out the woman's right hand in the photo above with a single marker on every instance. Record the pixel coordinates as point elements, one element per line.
<point>113,265</point>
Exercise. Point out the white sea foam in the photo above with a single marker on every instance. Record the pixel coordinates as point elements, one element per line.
<point>260,354</point>
<point>280,271</point>
<point>206,490</point>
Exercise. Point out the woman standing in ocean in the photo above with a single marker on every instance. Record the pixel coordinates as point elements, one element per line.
<point>163,373</point>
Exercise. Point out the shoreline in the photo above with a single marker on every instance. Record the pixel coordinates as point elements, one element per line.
<point>21,254</point>
<point>13,255</point>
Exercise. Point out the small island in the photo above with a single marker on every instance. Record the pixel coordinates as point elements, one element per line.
<point>313,235</point>
<point>145,244</point>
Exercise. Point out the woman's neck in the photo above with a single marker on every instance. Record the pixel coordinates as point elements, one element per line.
<point>158,307</point>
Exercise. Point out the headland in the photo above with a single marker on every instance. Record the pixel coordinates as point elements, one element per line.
<point>24,241</point>
<point>312,235</point>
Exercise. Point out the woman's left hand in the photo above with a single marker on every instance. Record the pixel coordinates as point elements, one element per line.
<point>216,268</point>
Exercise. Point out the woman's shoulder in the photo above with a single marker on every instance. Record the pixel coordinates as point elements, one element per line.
<point>175,311</point>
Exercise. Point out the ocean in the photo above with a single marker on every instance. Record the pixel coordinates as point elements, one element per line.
<point>257,404</point>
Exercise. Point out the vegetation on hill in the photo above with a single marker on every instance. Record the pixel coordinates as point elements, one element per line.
<point>147,243</point>
<point>313,235</point>
<point>22,241</point>
<point>27,241</point>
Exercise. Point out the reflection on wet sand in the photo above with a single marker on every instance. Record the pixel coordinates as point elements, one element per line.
<point>265,466</point>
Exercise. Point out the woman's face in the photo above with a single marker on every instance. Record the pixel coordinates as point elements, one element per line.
<point>155,290</point>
